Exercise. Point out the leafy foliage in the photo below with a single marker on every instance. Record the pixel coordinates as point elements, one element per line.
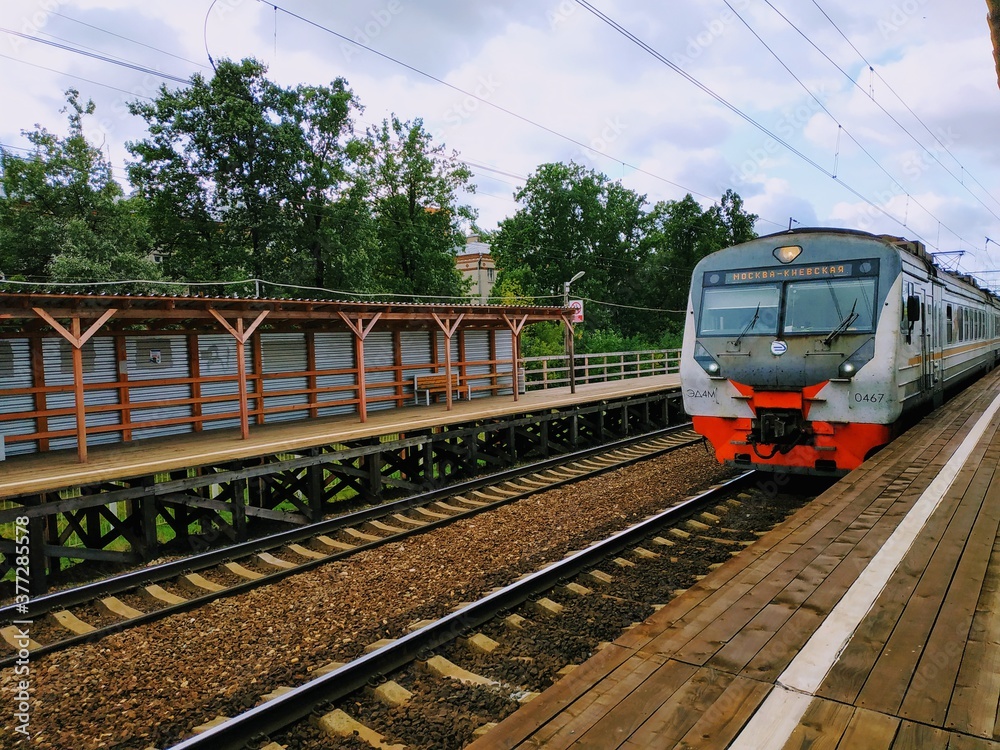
<point>413,186</point>
<point>637,261</point>
<point>239,177</point>
<point>62,214</point>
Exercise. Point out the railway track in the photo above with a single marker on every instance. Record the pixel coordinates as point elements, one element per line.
<point>89,612</point>
<point>287,707</point>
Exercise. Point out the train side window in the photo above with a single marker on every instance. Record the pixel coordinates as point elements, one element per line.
<point>948,323</point>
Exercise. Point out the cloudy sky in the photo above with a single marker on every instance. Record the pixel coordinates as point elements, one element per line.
<point>772,98</point>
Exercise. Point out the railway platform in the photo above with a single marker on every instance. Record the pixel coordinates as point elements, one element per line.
<point>128,501</point>
<point>51,471</point>
<point>869,619</point>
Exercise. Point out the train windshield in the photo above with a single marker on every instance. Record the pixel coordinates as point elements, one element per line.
<point>731,311</point>
<point>823,306</point>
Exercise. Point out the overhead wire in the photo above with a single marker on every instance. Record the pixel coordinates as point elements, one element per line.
<point>412,68</point>
<point>79,78</point>
<point>877,103</point>
<point>129,39</point>
<point>843,129</point>
<point>97,56</point>
<point>166,76</point>
<point>481,99</point>
<point>734,109</point>
<point>499,108</point>
<point>909,109</point>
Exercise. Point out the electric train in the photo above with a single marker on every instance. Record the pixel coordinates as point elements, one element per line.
<point>804,350</point>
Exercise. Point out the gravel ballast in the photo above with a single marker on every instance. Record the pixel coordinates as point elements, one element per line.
<point>148,686</point>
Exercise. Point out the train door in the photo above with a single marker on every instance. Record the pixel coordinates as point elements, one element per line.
<point>932,338</point>
<point>926,339</point>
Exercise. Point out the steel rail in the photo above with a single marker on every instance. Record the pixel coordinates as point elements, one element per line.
<point>277,714</point>
<point>166,571</point>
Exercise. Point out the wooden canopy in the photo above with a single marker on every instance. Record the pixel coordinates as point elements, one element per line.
<point>78,318</point>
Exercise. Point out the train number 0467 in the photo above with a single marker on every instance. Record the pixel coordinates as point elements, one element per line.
<point>871,398</point>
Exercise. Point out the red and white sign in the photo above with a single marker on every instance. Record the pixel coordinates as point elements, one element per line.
<point>577,307</point>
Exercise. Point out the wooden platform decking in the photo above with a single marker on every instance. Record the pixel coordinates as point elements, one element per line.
<point>870,619</point>
<point>51,471</point>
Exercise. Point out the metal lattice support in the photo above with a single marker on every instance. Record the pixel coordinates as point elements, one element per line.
<point>132,520</point>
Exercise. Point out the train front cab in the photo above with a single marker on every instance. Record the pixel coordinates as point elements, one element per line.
<point>791,365</point>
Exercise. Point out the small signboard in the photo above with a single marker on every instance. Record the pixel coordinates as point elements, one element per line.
<point>577,305</point>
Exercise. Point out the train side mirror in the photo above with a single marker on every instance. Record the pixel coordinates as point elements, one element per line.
<point>913,308</point>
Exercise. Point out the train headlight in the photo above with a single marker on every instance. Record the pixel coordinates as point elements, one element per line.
<point>858,359</point>
<point>707,361</point>
<point>787,253</point>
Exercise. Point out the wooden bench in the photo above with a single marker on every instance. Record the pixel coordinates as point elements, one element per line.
<point>428,384</point>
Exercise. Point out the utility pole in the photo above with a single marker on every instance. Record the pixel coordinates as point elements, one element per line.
<point>569,342</point>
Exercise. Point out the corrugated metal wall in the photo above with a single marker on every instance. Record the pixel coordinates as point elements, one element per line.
<point>505,351</point>
<point>15,372</point>
<point>283,353</point>
<point>99,366</point>
<point>159,369</point>
<point>439,340</point>
<point>160,358</point>
<point>335,351</point>
<point>217,359</point>
<point>378,354</point>
<point>416,350</point>
<point>477,349</point>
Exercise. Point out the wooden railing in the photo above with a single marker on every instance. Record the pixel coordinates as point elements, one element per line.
<point>120,409</point>
<point>553,371</point>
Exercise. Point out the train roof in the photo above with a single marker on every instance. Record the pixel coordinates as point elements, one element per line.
<point>915,248</point>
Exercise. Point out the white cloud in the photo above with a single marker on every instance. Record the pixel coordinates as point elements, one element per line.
<point>561,67</point>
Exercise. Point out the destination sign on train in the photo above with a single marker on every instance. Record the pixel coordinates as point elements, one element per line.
<point>825,271</point>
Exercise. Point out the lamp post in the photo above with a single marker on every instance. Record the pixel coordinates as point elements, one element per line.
<point>569,339</point>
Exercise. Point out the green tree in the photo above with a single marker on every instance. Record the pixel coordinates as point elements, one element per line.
<point>63,217</point>
<point>331,219</point>
<point>737,225</point>
<point>243,176</point>
<point>412,185</point>
<point>677,235</point>
<point>573,219</point>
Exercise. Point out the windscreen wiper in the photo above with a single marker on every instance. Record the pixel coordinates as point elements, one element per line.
<point>846,323</point>
<point>750,325</point>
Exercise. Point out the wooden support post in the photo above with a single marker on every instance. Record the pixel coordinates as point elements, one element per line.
<point>241,337</point>
<point>79,396</point>
<point>38,581</point>
<point>77,340</point>
<point>241,379</point>
<point>373,463</point>
<point>428,479</point>
<point>448,328</point>
<point>360,330</point>
<point>314,487</point>
<point>239,509</point>
<point>515,345</point>
<point>144,509</point>
<point>361,377</point>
